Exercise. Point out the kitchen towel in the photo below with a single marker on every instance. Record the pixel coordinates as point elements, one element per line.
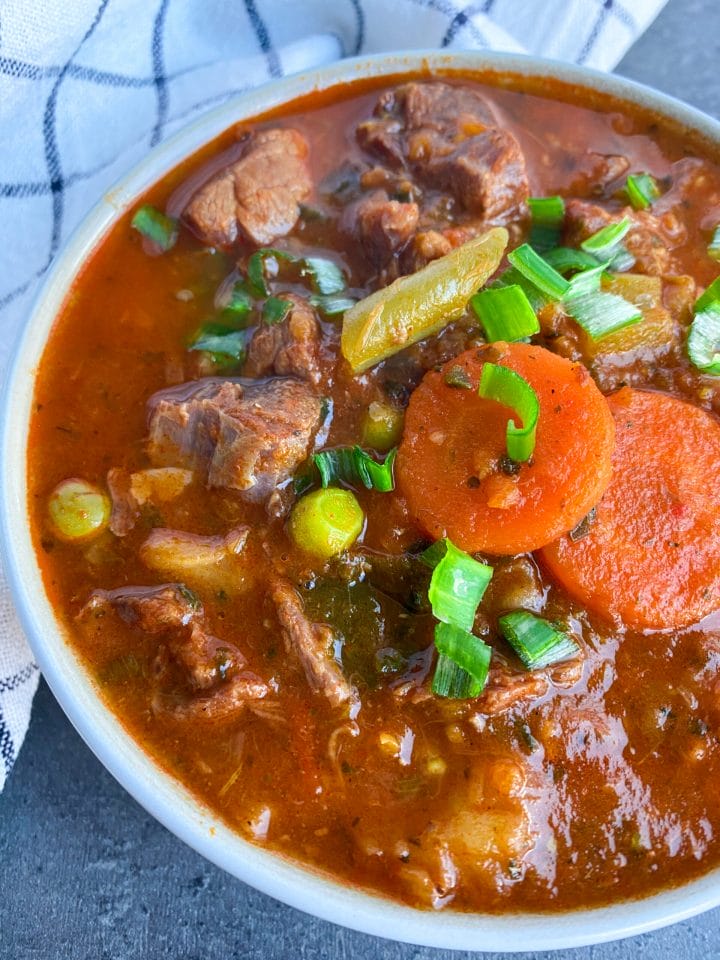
<point>88,87</point>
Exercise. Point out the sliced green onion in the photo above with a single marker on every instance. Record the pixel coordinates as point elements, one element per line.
<point>703,342</point>
<point>607,246</point>
<point>159,229</point>
<point>457,587</point>
<point>434,554</point>
<point>641,189</point>
<point>222,341</point>
<point>538,271</point>
<point>505,313</point>
<point>511,390</point>
<point>353,465</point>
<point>463,663</point>
<point>711,296</point>
<point>274,310</point>
<point>569,260</point>
<point>548,214</point>
<point>512,277</point>
<point>256,267</point>
<point>536,641</point>
<point>714,245</point>
<point>241,301</point>
<point>326,276</point>
<point>458,377</point>
<point>330,304</point>
<point>600,314</point>
<point>587,281</point>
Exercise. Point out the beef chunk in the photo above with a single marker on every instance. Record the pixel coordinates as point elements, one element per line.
<point>508,687</point>
<point>650,240</point>
<point>383,225</point>
<point>310,642</point>
<point>125,508</point>
<point>256,198</point>
<point>448,137</point>
<point>486,174</point>
<point>247,437</point>
<point>154,610</point>
<point>195,673</point>
<point>290,348</point>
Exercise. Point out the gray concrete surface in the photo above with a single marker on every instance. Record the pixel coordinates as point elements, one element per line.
<point>86,874</point>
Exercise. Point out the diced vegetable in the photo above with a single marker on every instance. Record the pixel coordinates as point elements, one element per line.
<point>274,310</point>
<point>548,214</point>
<point>538,271</point>
<point>458,377</point>
<point>512,277</point>
<point>457,587</point>
<point>241,302</point>
<point>382,426</point>
<point>505,313</point>
<point>159,483</point>
<point>202,562</point>
<point>78,510</point>
<point>353,465</point>
<point>463,663</point>
<point>710,297</point>
<point>641,189</point>
<point>655,330</point>
<point>326,522</point>
<point>160,230</point>
<point>511,390</point>
<point>585,281</point>
<point>536,641</point>
<point>419,305</point>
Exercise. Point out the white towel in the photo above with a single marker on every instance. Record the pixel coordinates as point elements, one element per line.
<point>88,87</point>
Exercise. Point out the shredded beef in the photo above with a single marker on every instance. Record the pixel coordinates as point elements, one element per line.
<point>310,642</point>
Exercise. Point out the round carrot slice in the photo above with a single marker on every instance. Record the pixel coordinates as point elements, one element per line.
<point>652,556</point>
<point>451,460</point>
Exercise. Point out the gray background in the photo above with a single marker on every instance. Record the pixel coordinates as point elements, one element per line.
<point>86,874</point>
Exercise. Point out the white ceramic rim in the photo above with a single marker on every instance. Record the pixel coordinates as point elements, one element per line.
<point>162,796</point>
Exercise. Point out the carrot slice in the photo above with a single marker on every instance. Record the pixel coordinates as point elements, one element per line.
<point>448,466</point>
<point>652,556</point>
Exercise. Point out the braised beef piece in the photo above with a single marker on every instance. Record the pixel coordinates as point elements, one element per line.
<point>210,670</point>
<point>256,198</point>
<point>448,137</point>
<point>125,508</point>
<point>650,240</point>
<point>507,686</point>
<point>289,348</point>
<point>311,643</point>
<point>382,225</point>
<point>154,610</point>
<point>246,436</point>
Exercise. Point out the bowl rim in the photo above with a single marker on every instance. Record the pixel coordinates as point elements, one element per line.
<point>158,792</point>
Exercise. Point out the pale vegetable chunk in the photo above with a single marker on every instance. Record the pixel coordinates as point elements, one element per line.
<point>655,330</point>
<point>159,484</point>
<point>78,510</point>
<point>416,306</point>
<point>213,563</point>
<point>326,522</point>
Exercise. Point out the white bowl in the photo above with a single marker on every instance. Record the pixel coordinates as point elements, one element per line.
<point>165,798</point>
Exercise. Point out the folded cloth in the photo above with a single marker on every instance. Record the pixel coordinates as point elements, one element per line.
<point>88,86</point>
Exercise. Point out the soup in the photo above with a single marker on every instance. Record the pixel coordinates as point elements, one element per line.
<point>371,473</point>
